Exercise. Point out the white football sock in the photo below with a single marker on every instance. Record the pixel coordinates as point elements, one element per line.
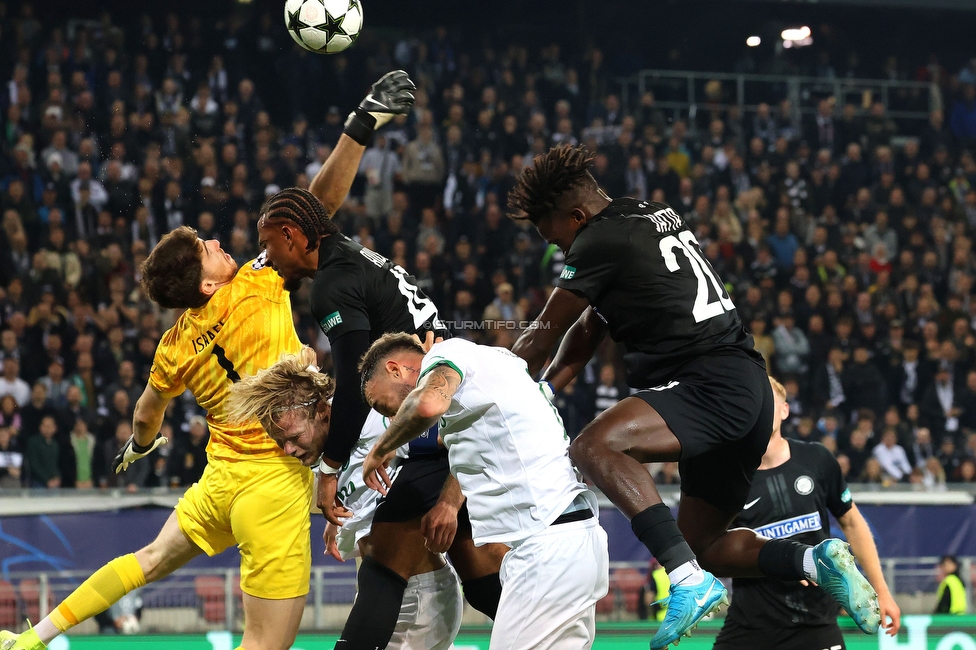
<point>809,566</point>
<point>688,573</point>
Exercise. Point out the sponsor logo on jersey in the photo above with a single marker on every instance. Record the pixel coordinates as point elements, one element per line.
<point>330,321</point>
<point>751,503</point>
<point>803,485</point>
<point>789,527</point>
<point>845,496</point>
<point>568,273</point>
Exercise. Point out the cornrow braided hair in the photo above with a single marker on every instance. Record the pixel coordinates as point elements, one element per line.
<point>540,186</point>
<point>304,210</point>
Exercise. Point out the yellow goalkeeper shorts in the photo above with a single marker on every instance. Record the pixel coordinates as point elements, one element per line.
<point>264,507</point>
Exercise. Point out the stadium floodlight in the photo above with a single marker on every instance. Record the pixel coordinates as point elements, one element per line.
<point>753,41</point>
<point>796,34</point>
<point>797,37</point>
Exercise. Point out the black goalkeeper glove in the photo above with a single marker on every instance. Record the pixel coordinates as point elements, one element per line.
<point>132,450</point>
<point>392,95</point>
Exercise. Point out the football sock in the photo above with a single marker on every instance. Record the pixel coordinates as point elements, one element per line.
<point>483,593</point>
<point>374,615</point>
<point>687,574</point>
<point>656,528</point>
<point>783,559</point>
<point>809,567</point>
<point>95,595</point>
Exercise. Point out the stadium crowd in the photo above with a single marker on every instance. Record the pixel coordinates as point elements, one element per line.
<point>847,247</point>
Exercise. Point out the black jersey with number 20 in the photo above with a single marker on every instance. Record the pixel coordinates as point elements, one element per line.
<point>642,270</point>
<point>359,289</point>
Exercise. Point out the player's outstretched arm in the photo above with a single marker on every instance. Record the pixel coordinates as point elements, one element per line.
<point>147,418</point>
<point>333,181</point>
<point>536,343</point>
<point>390,96</point>
<point>862,543</point>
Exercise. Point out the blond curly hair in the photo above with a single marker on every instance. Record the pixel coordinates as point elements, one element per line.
<point>293,382</point>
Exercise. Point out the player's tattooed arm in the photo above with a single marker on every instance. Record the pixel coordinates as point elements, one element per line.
<point>421,409</point>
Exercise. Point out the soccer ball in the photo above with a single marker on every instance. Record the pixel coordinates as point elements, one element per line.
<point>324,26</point>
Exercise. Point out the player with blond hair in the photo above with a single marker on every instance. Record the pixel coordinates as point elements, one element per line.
<point>293,402</point>
<point>796,485</point>
<point>252,494</point>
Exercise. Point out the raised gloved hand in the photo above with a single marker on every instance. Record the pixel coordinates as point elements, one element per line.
<point>392,95</point>
<point>132,451</point>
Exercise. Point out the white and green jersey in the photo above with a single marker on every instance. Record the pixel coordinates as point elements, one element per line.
<point>506,443</point>
<point>352,491</point>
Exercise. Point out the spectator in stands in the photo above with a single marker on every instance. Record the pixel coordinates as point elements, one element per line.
<point>608,391</point>
<point>43,456</point>
<point>85,449</point>
<point>504,312</point>
<point>864,384</point>
<point>11,460</point>
<point>764,342</point>
<point>891,456</point>
<point>967,471</point>
<point>11,383</point>
<point>574,408</point>
<point>792,347</point>
<point>938,408</point>
<point>73,410</point>
<point>189,455</point>
<point>379,166</point>
<point>423,168</point>
<point>933,476</point>
<point>922,448</point>
<point>35,410</point>
<point>858,452</point>
<point>109,449</point>
<point>55,383</point>
<point>950,458</point>
<point>873,472</point>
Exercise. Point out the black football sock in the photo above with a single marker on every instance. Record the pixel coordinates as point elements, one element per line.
<point>483,593</point>
<point>782,559</point>
<point>373,618</point>
<point>658,531</point>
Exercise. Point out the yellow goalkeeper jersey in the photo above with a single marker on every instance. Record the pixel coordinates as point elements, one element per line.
<point>244,327</point>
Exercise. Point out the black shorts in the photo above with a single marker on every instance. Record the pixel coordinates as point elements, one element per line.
<point>804,637</point>
<point>720,409</point>
<point>415,490</point>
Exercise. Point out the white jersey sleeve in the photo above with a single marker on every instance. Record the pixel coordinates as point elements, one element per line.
<point>352,490</point>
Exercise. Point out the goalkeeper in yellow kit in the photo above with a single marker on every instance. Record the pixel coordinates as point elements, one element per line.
<point>251,494</point>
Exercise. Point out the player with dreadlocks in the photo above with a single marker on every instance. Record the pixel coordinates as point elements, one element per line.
<point>635,270</point>
<point>357,296</point>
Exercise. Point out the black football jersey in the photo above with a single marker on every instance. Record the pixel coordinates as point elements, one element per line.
<point>790,501</point>
<point>642,270</point>
<point>358,289</point>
